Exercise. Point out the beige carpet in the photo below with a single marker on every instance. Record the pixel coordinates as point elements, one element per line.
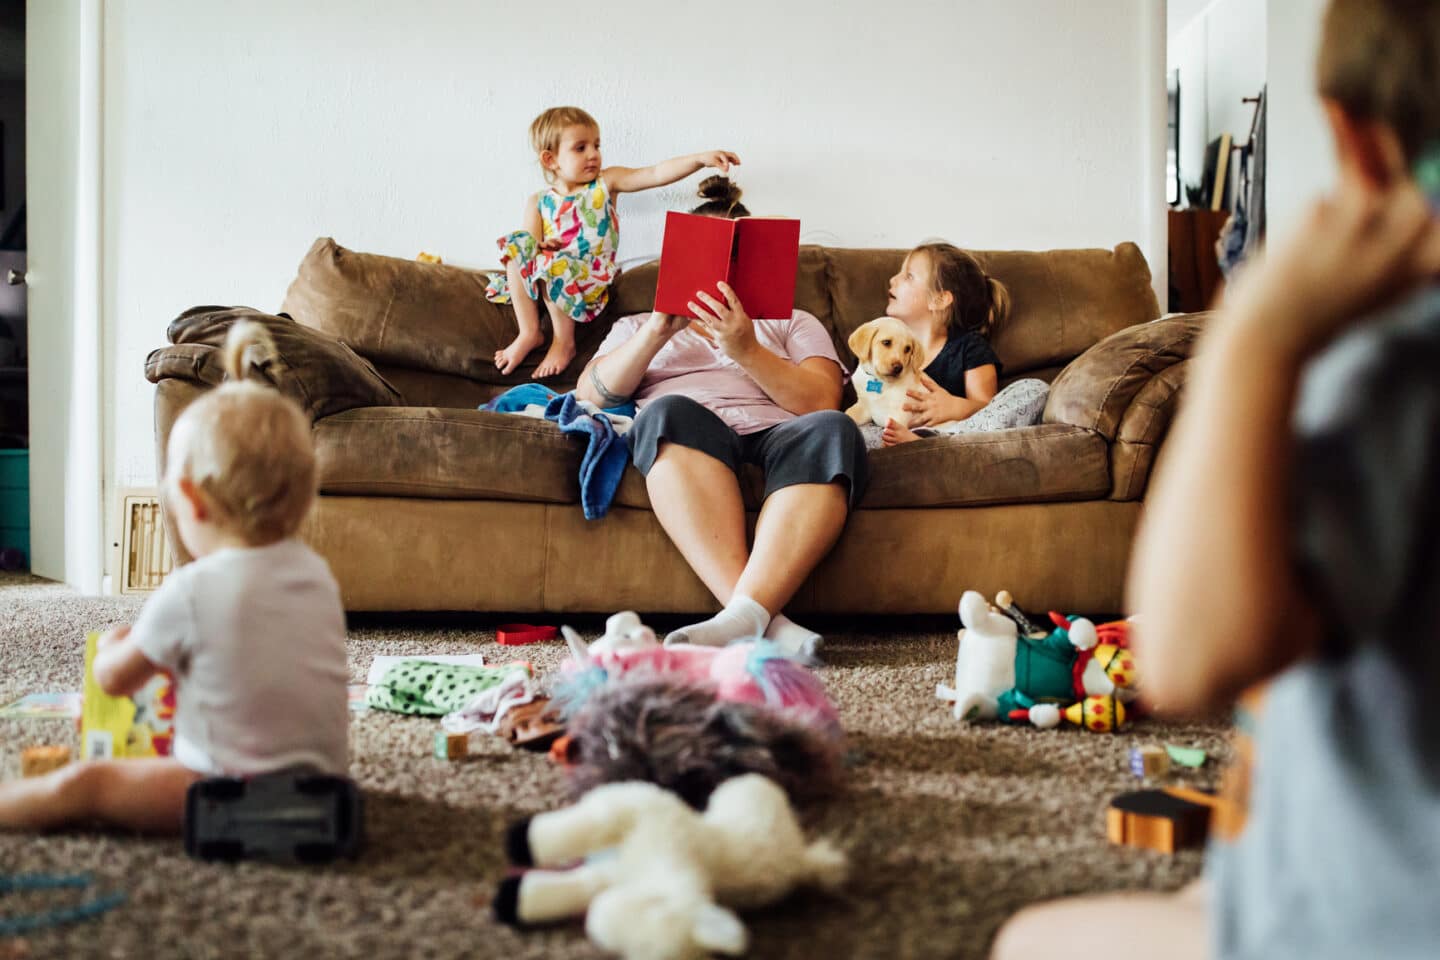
<point>950,829</point>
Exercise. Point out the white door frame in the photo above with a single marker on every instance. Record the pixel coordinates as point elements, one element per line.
<point>63,150</point>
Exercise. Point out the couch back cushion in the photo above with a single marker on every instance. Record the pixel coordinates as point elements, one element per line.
<point>403,313</point>
<point>435,318</point>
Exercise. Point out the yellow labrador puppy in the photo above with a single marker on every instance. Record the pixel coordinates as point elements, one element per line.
<point>891,358</point>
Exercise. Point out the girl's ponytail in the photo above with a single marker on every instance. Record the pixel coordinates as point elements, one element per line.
<point>979,302</point>
<point>248,346</point>
<point>999,306</point>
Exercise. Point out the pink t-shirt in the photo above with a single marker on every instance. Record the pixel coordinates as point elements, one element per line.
<point>690,366</point>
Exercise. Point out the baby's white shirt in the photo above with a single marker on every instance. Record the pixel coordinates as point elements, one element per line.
<point>255,638</point>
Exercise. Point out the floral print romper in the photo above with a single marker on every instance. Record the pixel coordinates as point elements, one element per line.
<point>577,277</point>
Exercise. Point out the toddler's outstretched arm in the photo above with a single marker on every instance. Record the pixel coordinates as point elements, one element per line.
<point>632,179</point>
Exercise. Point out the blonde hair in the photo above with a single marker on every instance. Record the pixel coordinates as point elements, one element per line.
<point>547,129</point>
<point>979,303</point>
<point>248,447</point>
<point>1380,61</point>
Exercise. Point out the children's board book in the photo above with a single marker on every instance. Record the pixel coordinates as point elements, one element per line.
<point>757,256</point>
<point>117,727</point>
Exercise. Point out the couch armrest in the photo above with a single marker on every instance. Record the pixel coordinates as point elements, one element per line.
<point>1126,388</point>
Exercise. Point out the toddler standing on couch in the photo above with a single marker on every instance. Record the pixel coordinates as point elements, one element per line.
<point>252,630</point>
<point>565,252</point>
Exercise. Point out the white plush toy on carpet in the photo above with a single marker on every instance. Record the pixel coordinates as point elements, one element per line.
<point>655,871</point>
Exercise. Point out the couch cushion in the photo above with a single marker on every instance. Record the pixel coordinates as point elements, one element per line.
<point>319,372</point>
<point>1027,464</point>
<point>1063,301</point>
<point>447,454</point>
<point>1049,462</point>
<point>426,316</point>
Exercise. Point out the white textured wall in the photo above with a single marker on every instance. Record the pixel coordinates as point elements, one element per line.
<point>237,133</point>
<point>1301,161</point>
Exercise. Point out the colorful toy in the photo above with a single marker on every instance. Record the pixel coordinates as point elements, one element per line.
<point>36,761</point>
<point>655,872</point>
<point>141,725</point>
<point>1164,820</point>
<point>519,634</point>
<point>679,734</point>
<point>15,882</point>
<point>451,746</point>
<point>287,816</point>
<point>1077,671</point>
<point>1148,762</point>
<point>751,672</point>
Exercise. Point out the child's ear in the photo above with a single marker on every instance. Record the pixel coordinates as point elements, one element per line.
<point>1365,147</point>
<point>194,500</point>
<point>861,339</point>
<point>547,159</point>
<point>943,300</point>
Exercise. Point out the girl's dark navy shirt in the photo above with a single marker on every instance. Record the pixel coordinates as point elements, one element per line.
<point>963,351</point>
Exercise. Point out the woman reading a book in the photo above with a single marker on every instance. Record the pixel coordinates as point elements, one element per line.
<point>717,389</point>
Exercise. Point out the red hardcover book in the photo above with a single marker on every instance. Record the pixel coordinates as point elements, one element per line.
<point>757,256</point>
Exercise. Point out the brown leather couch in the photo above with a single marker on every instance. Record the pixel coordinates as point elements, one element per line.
<point>427,503</point>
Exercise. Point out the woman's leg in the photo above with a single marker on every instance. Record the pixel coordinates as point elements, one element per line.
<point>797,526</point>
<point>689,458</point>
<point>527,317</point>
<point>562,345</point>
<point>816,469</point>
<point>146,795</point>
<point>696,498</point>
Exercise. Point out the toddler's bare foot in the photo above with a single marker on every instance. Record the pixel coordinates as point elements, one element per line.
<point>557,358</point>
<point>895,433</point>
<point>512,356</point>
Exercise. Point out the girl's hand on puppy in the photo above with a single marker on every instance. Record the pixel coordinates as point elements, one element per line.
<point>727,324</point>
<point>929,405</point>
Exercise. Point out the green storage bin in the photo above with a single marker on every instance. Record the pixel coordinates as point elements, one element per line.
<point>15,501</point>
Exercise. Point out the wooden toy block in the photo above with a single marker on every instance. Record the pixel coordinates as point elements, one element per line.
<point>1162,820</point>
<point>451,746</point>
<point>35,761</point>
<point>1148,762</point>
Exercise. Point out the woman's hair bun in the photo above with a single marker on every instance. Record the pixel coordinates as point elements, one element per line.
<point>720,188</point>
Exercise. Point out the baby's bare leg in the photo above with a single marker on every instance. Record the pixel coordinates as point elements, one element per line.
<point>527,317</point>
<point>1171,925</point>
<point>562,347</point>
<point>146,795</point>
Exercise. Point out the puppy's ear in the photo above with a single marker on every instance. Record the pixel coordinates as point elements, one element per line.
<point>861,339</point>
<point>916,363</point>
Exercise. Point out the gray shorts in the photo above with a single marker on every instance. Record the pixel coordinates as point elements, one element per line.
<point>820,447</point>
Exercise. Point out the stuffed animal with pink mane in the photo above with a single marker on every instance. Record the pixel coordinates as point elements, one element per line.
<point>690,717</point>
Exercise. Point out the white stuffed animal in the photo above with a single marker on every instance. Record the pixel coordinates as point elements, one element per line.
<point>989,686</point>
<point>654,868</point>
<point>623,631</point>
<point>985,665</point>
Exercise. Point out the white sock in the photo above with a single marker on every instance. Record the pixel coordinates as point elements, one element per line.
<point>792,638</point>
<point>742,619</point>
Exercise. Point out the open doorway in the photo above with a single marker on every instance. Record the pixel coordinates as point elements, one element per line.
<point>14,352</point>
